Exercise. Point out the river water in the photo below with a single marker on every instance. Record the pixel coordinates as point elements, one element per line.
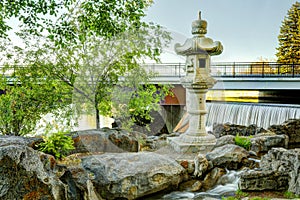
<point>226,186</point>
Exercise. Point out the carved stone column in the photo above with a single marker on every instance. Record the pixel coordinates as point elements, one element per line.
<point>197,82</point>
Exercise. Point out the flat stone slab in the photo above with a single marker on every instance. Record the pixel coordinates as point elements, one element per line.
<point>180,146</point>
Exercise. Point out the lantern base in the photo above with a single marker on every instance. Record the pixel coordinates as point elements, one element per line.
<point>192,144</point>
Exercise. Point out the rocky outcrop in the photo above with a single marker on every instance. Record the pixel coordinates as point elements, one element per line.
<point>262,143</point>
<point>123,139</point>
<point>229,156</point>
<point>227,139</point>
<point>106,140</point>
<point>131,175</point>
<point>284,161</point>
<point>260,180</point>
<point>279,170</point>
<point>27,174</point>
<point>291,128</point>
<point>32,142</point>
<point>212,178</point>
<point>220,130</point>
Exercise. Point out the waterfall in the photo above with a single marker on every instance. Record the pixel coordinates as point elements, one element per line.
<point>227,186</point>
<point>263,115</point>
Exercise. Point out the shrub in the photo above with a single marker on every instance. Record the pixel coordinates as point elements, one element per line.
<point>240,194</point>
<point>290,195</point>
<point>243,141</point>
<point>57,144</point>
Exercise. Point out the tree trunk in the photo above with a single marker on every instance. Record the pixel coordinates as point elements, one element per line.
<point>97,116</point>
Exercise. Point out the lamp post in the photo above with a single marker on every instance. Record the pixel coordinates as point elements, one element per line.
<point>197,81</point>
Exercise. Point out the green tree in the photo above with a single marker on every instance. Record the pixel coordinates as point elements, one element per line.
<point>81,46</point>
<point>25,100</point>
<point>62,20</point>
<point>101,65</point>
<point>289,39</point>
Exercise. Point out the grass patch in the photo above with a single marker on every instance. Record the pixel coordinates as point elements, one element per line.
<point>290,195</point>
<point>243,141</point>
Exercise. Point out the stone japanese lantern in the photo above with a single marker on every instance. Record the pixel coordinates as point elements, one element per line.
<point>197,81</point>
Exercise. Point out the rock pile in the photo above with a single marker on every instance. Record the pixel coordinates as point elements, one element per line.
<point>279,170</point>
<point>111,165</point>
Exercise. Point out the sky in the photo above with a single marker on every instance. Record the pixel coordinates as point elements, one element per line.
<point>247,29</point>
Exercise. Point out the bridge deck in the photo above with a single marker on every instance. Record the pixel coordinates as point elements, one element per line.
<point>237,76</point>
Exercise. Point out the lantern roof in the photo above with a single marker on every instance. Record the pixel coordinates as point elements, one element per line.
<point>199,44</point>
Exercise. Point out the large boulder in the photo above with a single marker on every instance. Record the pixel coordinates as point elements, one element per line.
<point>260,180</point>
<point>262,143</point>
<point>290,128</point>
<point>212,178</point>
<point>6,140</point>
<point>279,170</point>
<point>229,156</point>
<point>27,174</point>
<point>227,139</point>
<point>284,161</point>
<point>106,140</point>
<point>124,139</point>
<point>130,175</point>
<point>220,130</point>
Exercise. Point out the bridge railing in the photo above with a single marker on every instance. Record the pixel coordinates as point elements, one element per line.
<point>218,69</point>
<point>232,69</point>
<point>255,69</point>
<point>166,69</point>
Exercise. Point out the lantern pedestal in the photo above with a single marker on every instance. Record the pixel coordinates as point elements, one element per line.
<point>197,81</point>
<point>195,139</point>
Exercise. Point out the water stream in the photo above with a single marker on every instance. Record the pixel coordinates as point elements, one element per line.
<point>227,186</point>
<point>263,115</point>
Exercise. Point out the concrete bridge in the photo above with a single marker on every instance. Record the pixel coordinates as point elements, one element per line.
<point>237,76</point>
<point>266,82</point>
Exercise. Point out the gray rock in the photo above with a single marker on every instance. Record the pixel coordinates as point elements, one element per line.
<point>254,180</point>
<point>229,156</point>
<point>284,161</point>
<point>6,140</point>
<point>227,139</point>
<point>27,174</point>
<point>132,175</point>
<point>290,128</point>
<point>201,165</point>
<point>279,170</point>
<point>191,185</point>
<point>124,140</point>
<point>212,178</point>
<point>106,140</point>
<point>262,143</point>
<point>220,130</point>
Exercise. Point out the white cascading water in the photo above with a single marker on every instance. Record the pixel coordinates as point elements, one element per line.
<point>227,186</point>
<point>263,115</point>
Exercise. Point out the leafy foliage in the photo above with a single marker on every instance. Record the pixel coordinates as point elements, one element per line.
<point>289,38</point>
<point>57,144</point>
<point>103,66</point>
<point>243,141</point>
<point>25,99</point>
<point>70,21</point>
<point>79,47</point>
<point>240,194</point>
<point>133,102</point>
<point>290,195</point>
